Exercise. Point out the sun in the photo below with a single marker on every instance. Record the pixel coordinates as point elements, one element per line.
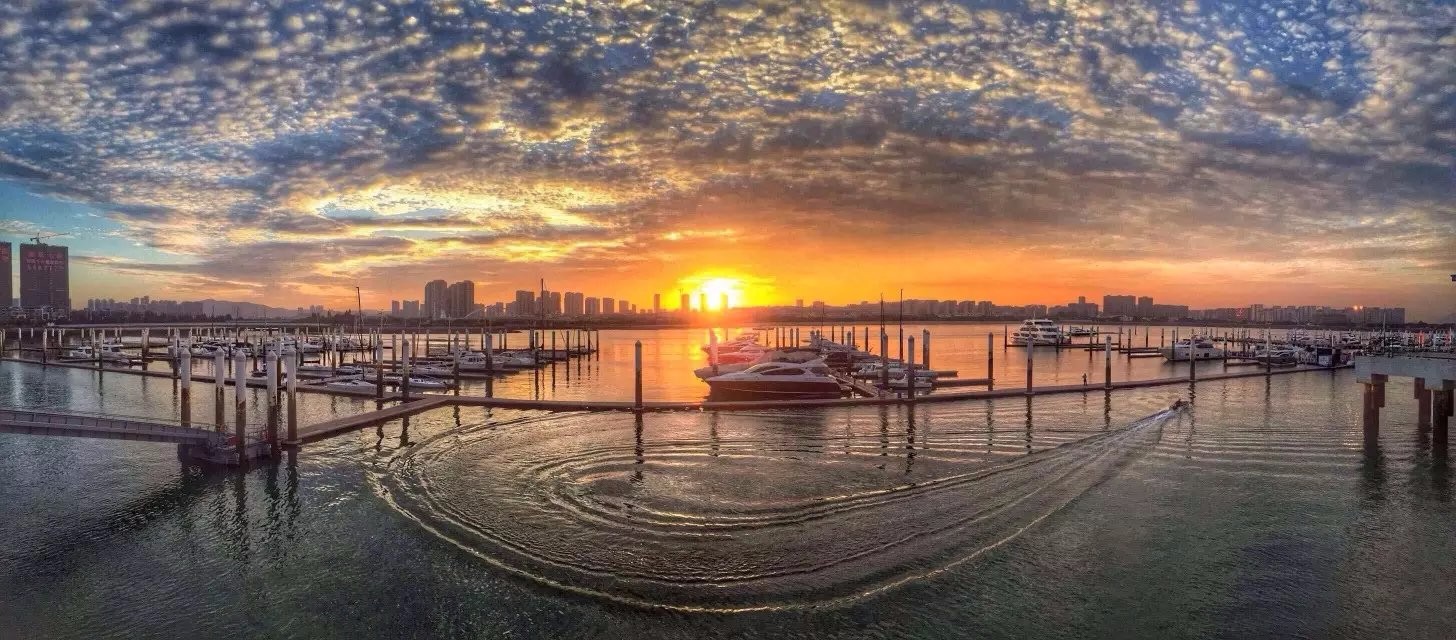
<point>716,288</point>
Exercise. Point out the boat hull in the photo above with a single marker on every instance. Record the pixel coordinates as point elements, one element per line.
<point>772,390</point>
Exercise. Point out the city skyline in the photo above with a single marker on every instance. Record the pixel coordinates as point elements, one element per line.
<point>1206,152</point>
<point>1114,307</point>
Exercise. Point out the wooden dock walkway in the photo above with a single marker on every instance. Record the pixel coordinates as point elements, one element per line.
<point>348,423</point>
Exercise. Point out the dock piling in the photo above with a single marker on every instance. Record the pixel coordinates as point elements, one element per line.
<point>185,383</point>
<point>1030,346</point>
<point>1441,410</point>
<point>910,369</point>
<point>219,381</point>
<point>1107,363</point>
<point>404,371</point>
<point>240,398</point>
<point>292,399</point>
<point>925,347</point>
<point>1423,405</point>
<point>637,375</point>
<point>990,360</point>
<point>271,373</point>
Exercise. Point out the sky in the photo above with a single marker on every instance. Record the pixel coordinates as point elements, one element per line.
<point>1212,153</point>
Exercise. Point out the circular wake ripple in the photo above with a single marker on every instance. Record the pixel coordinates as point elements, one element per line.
<point>762,519</point>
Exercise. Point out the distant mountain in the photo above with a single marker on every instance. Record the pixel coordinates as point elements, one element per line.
<point>212,307</point>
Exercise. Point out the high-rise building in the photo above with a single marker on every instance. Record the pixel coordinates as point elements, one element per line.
<point>460,299</point>
<point>592,306</point>
<point>1144,307</point>
<point>657,303</point>
<point>1119,305</point>
<point>609,306</point>
<point>525,302</point>
<point>552,300</point>
<point>686,303</point>
<point>410,308</point>
<point>702,302</point>
<point>436,299</point>
<point>45,276</point>
<point>6,294</point>
<point>394,308</point>
<point>574,303</point>
<point>624,307</point>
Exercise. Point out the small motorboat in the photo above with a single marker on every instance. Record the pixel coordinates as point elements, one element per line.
<point>416,382</point>
<point>352,384</point>
<point>898,380</point>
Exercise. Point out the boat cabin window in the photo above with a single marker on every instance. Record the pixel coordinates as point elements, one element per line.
<point>788,371</point>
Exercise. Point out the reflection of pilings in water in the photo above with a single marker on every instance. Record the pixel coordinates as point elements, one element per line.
<point>1028,424</point>
<point>713,434</point>
<point>910,436</point>
<point>1107,410</point>
<point>240,517</point>
<point>404,440</point>
<point>639,450</point>
<point>990,429</point>
<point>884,430</point>
<point>295,505</point>
<point>54,555</point>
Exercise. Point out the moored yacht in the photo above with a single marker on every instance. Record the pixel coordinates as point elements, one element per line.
<point>108,351</point>
<point>1037,332</point>
<point>785,355</point>
<point>776,381</point>
<point>1196,348</point>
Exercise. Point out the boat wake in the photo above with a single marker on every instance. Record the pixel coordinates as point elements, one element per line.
<point>742,523</point>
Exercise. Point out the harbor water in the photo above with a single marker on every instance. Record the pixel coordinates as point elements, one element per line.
<point>1259,512</point>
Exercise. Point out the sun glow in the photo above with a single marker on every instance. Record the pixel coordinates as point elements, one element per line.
<point>717,288</point>
<point>708,290</point>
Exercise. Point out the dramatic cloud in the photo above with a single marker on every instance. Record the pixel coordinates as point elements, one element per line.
<point>1106,145</point>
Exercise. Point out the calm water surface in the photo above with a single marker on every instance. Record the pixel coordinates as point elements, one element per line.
<point>1259,513</point>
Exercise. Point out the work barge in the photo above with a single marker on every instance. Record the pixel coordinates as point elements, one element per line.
<point>267,364</point>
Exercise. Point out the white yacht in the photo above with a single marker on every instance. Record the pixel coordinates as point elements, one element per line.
<point>776,381</point>
<point>896,368</point>
<point>1039,331</point>
<point>1197,348</point>
<point>477,362</point>
<point>416,382</point>
<point>1278,355</point>
<point>354,384</point>
<point>1079,331</point>
<point>790,356</point>
<point>108,351</point>
<point>897,380</point>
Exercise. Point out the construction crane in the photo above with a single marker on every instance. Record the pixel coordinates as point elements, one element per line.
<point>40,237</point>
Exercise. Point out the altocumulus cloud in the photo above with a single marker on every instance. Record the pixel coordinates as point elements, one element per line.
<point>332,138</point>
